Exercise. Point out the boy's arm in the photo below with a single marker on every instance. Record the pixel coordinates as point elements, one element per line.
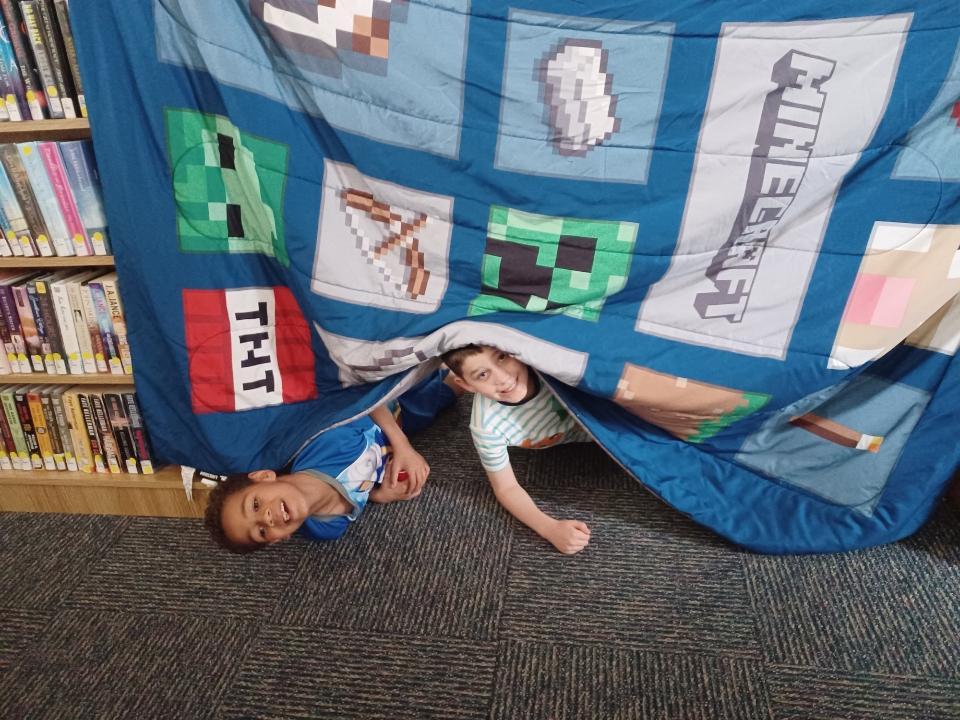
<point>567,536</point>
<point>404,457</point>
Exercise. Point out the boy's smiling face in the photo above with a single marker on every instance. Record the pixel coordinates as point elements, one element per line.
<point>268,510</point>
<point>497,375</point>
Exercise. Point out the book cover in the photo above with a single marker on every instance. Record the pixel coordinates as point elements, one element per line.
<point>57,174</point>
<point>16,31</point>
<point>58,62</point>
<point>16,350</point>
<point>8,451</point>
<point>84,180</point>
<point>18,234</point>
<point>13,421</point>
<point>26,424</point>
<point>93,437</point>
<point>40,427</point>
<point>108,443</point>
<point>78,429</point>
<point>17,175</point>
<point>5,231</point>
<point>100,355</point>
<point>81,326</point>
<point>5,367</point>
<point>120,423</point>
<point>53,430</point>
<point>46,198</point>
<point>45,318</point>
<point>105,324</point>
<point>28,325</point>
<point>14,97</point>
<point>138,430</point>
<point>59,293</point>
<point>66,33</point>
<point>112,293</point>
<point>63,426</point>
<point>41,58</point>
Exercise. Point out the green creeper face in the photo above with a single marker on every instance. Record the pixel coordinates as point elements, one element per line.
<point>540,263</point>
<point>228,186</point>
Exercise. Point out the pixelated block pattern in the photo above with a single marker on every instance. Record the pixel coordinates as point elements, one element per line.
<point>398,238</point>
<point>690,410</point>
<point>247,348</point>
<point>576,90</point>
<point>380,243</point>
<point>941,333</point>
<point>932,149</point>
<point>837,433</point>
<point>228,186</point>
<point>321,32</point>
<point>546,264</point>
<point>908,273</point>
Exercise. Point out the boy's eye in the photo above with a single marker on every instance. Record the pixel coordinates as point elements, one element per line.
<point>256,504</point>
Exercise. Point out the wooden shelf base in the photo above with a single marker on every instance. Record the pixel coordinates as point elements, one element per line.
<point>158,495</point>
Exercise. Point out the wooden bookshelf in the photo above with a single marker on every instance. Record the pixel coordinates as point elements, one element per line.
<point>74,129</point>
<point>158,495</point>
<point>47,379</point>
<point>57,262</point>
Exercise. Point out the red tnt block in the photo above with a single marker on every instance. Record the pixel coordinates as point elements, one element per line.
<point>248,348</point>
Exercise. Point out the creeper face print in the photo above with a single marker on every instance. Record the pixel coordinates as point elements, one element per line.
<point>690,410</point>
<point>540,263</point>
<point>228,186</point>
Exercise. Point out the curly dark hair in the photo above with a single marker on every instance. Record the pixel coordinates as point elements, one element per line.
<point>453,359</point>
<point>213,515</point>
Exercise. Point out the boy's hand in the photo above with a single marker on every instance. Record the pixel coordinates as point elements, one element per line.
<point>568,536</point>
<point>411,462</point>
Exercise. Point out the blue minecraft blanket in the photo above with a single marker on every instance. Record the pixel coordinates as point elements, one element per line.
<point>727,231</point>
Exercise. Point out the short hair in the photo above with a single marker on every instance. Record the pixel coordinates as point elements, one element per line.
<point>453,359</point>
<point>213,515</point>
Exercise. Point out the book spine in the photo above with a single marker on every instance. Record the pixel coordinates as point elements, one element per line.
<point>57,174</point>
<point>5,232</point>
<point>26,424</point>
<point>90,426</point>
<point>5,337</point>
<point>41,429</point>
<point>8,450</point>
<point>58,355</point>
<point>15,218</point>
<point>13,420</point>
<point>111,453</point>
<point>51,39</point>
<point>36,99</point>
<point>80,327</point>
<point>63,428</point>
<point>84,180</point>
<point>46,199</point>
<point>31,22</point>
<point>105,324</point>
<point>78,431</point>
<point>93,328</point>
<point>115,306</point>
<point>14,97</point>
<point>139,432</point>
<point>68,331</point>
<point>20,183</point>
<point>66,33</point>
<point>53,431</point>
<point>17,348</point>
<point>120,424</point>
<point>33,352</point>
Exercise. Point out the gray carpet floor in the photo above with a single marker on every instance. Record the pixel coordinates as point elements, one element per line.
<point>446,608</point>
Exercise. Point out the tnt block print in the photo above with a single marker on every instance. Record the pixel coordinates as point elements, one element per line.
<point>228,186</point>
<point>932,150</point>
<point>324,34</point>
<point>541,263</point>
<point>690,410</point>
<point>379,243</point>
<point>908,273</point>
<point>838,444</point>
<point>581,96</point>
<point>248,348</point>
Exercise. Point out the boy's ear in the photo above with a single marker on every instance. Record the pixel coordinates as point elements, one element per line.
<point>262,476</point>
<point>460,382</point>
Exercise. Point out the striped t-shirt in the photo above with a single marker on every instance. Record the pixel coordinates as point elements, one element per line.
<point>538,423</point>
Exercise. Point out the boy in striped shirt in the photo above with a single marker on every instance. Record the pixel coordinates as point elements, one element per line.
<point>511,407</point>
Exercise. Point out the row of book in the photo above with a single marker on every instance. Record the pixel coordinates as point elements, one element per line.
<point>96,428</point>
<point>39,75</point>
<point>67,322</point>
<point>50,201</point>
